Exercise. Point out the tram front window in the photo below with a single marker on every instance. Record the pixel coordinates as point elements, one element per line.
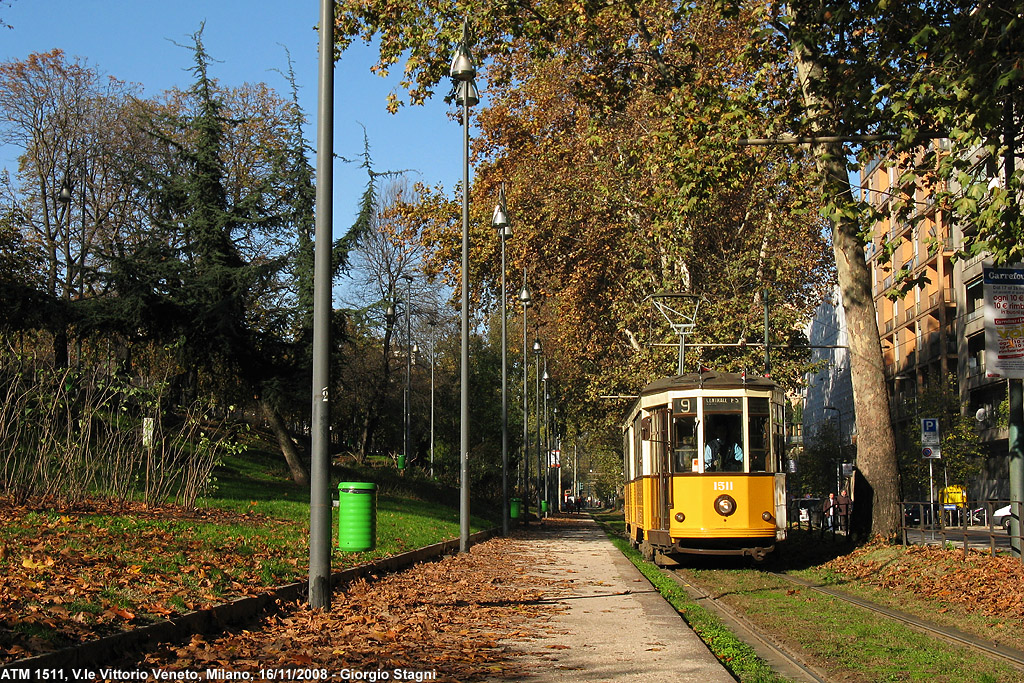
<point>723,443</point>
<point>684,430</point>
<point>758,431</point>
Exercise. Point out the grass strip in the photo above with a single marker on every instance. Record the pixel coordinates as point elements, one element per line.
<point>738,657</point>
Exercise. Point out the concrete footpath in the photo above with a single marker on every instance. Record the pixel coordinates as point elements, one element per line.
<point>613,625</point>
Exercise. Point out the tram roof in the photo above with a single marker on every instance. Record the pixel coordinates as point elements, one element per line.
<point>707,380</point>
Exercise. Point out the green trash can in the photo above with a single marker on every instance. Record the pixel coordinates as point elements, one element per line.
<point>513,508</point>
<point>543,506</point>
<point>357,516</point>
<point>401,462</point>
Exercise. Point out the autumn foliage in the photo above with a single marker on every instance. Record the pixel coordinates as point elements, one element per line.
<point>615,140</point>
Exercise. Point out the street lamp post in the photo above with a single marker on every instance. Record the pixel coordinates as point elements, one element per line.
<point>547,438</point>
<point>319,468</point>
<point>433,351</point>
<point>525,299</point>
<point>557,446</point>
<point>65,197</point>
<point>540,465</point>
<point>406,413</point>
<point>466,95</point>
<point>500,222</point>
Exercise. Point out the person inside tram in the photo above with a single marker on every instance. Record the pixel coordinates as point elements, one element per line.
<point>723,453</point>
<point>732,457</point>
<point>711,454</point>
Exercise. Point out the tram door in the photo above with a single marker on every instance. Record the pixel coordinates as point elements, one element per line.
<point>661,468</point>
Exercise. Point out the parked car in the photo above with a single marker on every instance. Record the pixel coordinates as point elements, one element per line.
<point>1001,517</point>
<point>807,511</point>
<point>911,515</point>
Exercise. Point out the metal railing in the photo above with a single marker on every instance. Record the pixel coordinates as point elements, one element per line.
<point>809,514</point>
<point>972,524</point>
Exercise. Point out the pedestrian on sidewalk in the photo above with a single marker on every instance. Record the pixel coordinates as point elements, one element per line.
<point>844,502</point>
<point>830,509</point>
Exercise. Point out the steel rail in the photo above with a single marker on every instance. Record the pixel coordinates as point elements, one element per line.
<point>775,654</point>
<point>947,633</point>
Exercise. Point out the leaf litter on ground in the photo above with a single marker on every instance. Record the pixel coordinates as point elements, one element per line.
<point>73,575</point>
<point>454,619</point>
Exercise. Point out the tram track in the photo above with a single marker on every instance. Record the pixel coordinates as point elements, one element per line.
<point>781,658</point>
<point>947,633</point>
<point>792,664</point>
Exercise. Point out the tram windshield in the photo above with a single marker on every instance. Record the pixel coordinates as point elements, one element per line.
<point>758,439</point>
<point>723,443</point>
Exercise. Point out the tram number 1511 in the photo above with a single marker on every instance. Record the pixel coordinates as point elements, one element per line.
<point>721,486</point>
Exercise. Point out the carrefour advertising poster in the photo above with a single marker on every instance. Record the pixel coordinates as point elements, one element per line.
<point>1004,321</point>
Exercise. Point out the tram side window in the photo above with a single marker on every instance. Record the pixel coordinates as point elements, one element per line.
<point>627,461</point>
<point>659,441</point>
<point>723,442</point>
<point>778,445</point>
<point>684,440</point>
<point>638,468</point>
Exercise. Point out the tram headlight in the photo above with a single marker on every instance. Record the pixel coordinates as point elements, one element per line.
<point>725,505</point>
<point>680,517</point>
<point>767,516</point>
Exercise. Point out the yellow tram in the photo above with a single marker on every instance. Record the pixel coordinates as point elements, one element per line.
<point>703,466</point>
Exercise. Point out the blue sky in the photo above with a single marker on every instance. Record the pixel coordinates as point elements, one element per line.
<point>134,40</point>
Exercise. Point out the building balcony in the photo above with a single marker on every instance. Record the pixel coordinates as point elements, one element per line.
<point>972,267</point>
<point>974,323</point>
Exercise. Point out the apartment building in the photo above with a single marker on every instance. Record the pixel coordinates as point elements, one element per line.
<point>935,326</point>
<point>828,393</point>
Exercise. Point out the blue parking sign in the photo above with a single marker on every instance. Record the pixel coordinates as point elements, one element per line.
<point>930,432</point>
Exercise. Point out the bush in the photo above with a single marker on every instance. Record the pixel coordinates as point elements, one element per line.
<point>68,434</point>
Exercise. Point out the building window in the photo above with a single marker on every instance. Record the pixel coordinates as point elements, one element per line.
<point>975,299</point>
<point>976,354</point>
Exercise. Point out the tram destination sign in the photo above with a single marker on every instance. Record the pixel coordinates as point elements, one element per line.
<point>1003,290</point>
<point>723,404</point>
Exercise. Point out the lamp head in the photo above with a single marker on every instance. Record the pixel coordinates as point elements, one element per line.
<point>467,94</point>
<point>462,65</point>
<point>462,68</point>
<point>524,296</point>
<point>500,219</point>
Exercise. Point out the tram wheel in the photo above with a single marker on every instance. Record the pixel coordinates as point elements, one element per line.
<point>647,551</point>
